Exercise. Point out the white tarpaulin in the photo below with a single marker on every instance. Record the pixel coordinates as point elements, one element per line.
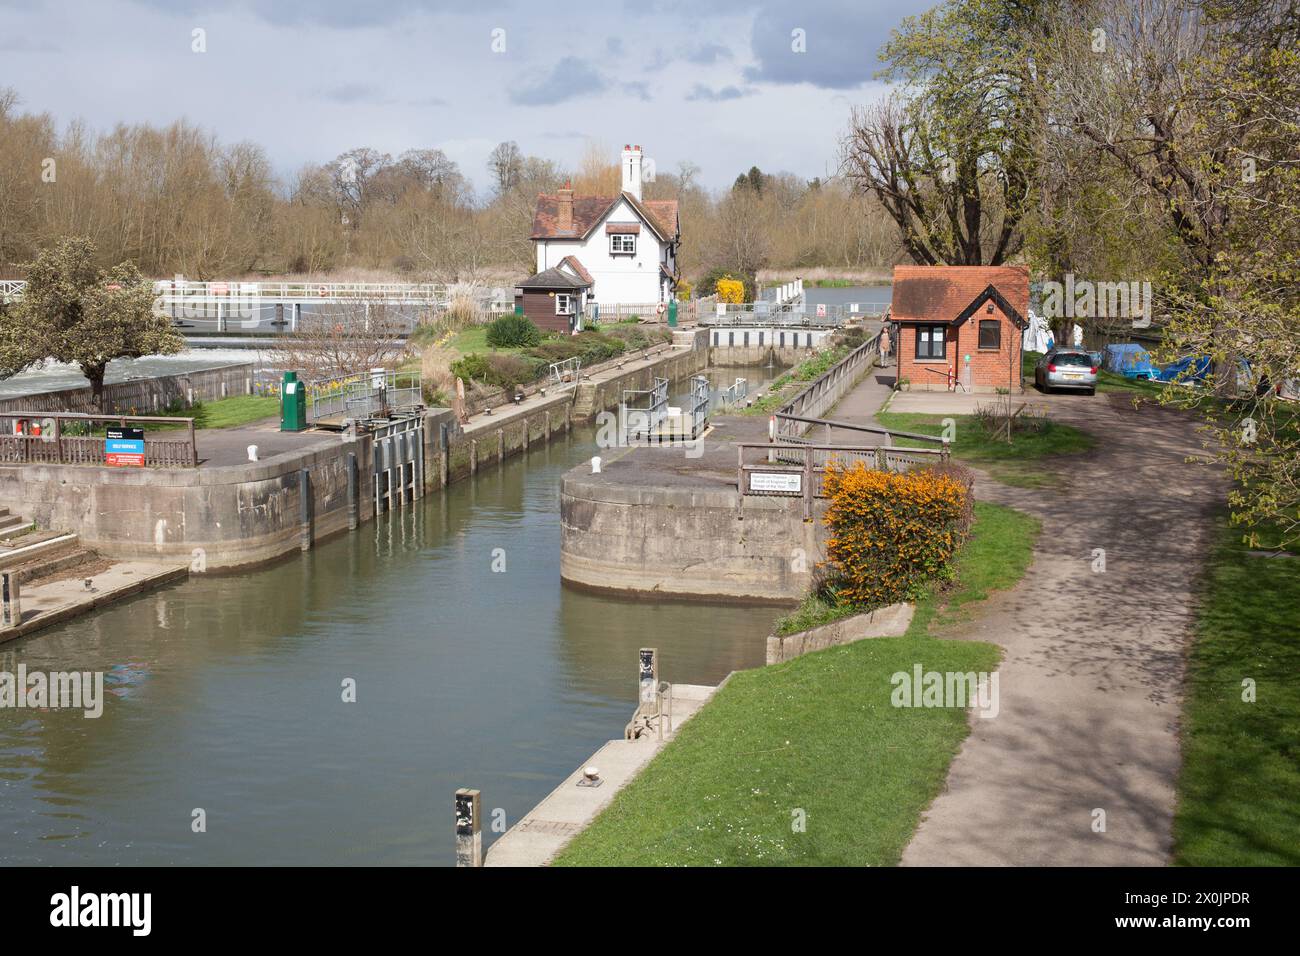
<point>1037,336</point>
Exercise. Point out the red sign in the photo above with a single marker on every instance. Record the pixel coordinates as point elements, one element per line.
<point>119,459</point>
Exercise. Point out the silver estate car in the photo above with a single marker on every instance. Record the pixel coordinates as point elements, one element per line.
<point>1067,368</point>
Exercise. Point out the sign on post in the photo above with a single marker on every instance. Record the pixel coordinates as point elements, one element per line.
<point>821,310</point>
<point>124,447</point>
<point>789,482</point>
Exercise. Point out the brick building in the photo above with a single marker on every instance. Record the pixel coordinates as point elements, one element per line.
<point>960,326</point>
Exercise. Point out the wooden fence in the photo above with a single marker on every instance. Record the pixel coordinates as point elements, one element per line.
<point>40,437</point>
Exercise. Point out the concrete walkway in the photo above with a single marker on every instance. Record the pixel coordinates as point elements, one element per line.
<point>1091,680</point>
<point>546,829</point>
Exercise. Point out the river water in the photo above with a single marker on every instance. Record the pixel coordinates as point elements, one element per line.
<point>225,693</point>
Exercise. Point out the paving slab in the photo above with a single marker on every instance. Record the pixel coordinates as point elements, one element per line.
<point>60,600</point>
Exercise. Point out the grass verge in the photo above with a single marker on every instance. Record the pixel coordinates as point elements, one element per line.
<point>995,557</point>
<point>1241,765</point>
<point>816,736</point>
<point>1018,463</point>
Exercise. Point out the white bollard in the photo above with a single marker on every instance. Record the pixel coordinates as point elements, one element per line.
<point>252,453</point>
<point>595,465</point>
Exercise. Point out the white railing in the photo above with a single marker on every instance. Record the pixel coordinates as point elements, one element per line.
<point>178,290</point>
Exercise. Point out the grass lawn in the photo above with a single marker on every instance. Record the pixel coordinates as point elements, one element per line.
<point>225,412</point>
<point>1241,763</point>
<point>817,734</point>
<point>999,551</point>
<point>1018,463</point>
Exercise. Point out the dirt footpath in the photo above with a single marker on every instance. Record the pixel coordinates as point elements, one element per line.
<point>1091,680</point>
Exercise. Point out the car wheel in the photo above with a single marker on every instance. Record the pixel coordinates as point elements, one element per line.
<point>1092,391</point>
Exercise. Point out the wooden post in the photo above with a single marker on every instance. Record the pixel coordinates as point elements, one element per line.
<point>304,509</point>
<point>58,438</point>
<point>473,456</point>
<point>11,612</point>
<point>469,836</point>
<point>501,445</point>
<point>194,451</point>
<point>807,483</point>
<point>352,492</point>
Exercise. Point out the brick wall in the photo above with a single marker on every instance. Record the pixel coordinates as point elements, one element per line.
<point>990,369</point>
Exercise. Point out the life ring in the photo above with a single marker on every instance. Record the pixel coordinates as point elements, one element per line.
<point>660,308</point>
<point>324,292</point>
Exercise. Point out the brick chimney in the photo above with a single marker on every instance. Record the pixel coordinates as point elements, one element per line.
<point>564,208</point>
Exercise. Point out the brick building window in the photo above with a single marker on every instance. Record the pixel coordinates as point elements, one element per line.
<point>990,334</point>
<point>930,342</point>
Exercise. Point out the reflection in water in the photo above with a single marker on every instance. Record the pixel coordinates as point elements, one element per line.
<point>225,692</point>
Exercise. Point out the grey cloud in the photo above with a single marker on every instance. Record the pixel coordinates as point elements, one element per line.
<point>702,92</point>
<point>569,79</point>
<point>351,93</point>
<point>843,41</point>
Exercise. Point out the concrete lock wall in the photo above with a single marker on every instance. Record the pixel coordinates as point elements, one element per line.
<point>236,515</point>
<point>685,541</point>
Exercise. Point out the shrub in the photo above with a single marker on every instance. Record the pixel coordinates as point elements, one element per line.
<point>891,533</point>
<point>512,332</point>
<point>731,290</point>
<point>472,367</point>
<point>683,290</point>
<point>709,284</point>
<point>503,371</point>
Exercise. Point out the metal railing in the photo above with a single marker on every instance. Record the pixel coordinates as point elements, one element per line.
<point>792,428</point>
<point>637,421</point>
<point>68,438</point>
<point>699,414</point>
<point>356,396</point>
<point>734,393</point>
<point>565,374</point>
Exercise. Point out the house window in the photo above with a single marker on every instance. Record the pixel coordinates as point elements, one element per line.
<point>990,334</point>
<point>930,341</point>
<point>622,244</point>
<point>563,303</point>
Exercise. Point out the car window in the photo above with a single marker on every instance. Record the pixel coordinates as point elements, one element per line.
<point>1073,358</point>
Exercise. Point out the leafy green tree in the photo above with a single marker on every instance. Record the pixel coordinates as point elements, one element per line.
<point>75,312</point>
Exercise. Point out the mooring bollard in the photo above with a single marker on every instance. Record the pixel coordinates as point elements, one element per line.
<point>595,465</point>
<point>469,838</point>
<point>252,453</point>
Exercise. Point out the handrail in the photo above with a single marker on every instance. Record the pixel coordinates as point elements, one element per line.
<point>876,429</point>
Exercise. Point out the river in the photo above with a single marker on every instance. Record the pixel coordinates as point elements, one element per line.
<point>225,693</point>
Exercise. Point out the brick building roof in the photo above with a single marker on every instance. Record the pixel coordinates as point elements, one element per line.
<point>944,293</point>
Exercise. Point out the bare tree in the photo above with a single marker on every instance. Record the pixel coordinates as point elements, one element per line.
<point>344,338</point>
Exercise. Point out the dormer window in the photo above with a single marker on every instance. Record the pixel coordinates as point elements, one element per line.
<point>622,244</point>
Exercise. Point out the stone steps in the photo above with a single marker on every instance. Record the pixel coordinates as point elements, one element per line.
<point>49,566</point>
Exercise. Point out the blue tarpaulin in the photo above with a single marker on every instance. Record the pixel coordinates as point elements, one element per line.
<point>1130,360</point>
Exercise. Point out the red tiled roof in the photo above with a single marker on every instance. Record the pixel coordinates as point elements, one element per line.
<point>588,211</point>
<point>941,293</point>
<point>573,263</point>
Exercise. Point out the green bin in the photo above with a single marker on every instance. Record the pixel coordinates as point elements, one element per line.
<point>293,403</point>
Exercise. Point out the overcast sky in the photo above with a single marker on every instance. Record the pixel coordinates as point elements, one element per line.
<point>717,83</point>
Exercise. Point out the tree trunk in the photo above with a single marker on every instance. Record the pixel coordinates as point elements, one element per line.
<point>96,375</point>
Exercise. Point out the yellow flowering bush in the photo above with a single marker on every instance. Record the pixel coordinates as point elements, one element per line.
<point>891,533</point>
<point>731,290</point>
